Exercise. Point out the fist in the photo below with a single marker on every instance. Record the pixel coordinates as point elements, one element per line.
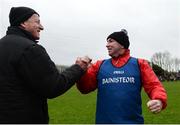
<point>155,106</point>
<point>84,62</point>
<point>86,59</point>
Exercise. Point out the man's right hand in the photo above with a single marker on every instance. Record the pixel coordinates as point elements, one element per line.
<point>83,62</point>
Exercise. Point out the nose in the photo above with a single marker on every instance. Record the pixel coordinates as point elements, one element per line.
<point>107,44</point>
<point>41,27</point>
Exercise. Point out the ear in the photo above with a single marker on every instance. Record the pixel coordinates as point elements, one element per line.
<point>23,24</point>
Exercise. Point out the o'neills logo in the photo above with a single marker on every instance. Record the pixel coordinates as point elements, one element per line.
<point>118,80</point>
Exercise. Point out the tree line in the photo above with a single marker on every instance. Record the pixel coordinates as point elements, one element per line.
<point>165,66</point>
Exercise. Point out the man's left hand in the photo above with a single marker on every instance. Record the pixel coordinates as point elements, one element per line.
<point>155,106</point>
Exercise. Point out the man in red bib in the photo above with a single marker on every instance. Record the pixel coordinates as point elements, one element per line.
<point>119,80</point>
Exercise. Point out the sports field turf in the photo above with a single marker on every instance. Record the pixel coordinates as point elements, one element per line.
<point>76,108</point>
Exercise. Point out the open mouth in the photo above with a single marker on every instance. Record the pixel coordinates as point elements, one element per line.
<point>109,49</point>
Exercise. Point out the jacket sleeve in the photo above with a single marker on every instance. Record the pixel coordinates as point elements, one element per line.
<point>41,75</point>
<point>88,81</point>
<point>152,86</point>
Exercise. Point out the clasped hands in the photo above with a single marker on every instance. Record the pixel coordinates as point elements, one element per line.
<point>83,62</point>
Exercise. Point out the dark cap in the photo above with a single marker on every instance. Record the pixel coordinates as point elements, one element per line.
<point>121,37</point>
<point>18,15</point>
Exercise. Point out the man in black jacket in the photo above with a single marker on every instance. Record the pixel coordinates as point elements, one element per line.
<point>28,77</point>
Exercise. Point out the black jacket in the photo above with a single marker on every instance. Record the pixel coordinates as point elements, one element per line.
<point>28,77</point>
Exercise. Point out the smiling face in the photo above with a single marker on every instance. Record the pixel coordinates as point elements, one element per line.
<point>33,26</point>
<point>114,48</point>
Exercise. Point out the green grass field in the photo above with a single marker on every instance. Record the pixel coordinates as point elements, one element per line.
<point>76,108</point>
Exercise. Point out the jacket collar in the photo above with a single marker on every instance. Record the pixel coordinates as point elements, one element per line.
<point>121,60</point>
<point>20,32</point>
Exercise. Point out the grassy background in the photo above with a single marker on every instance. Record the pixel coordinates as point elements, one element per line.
<point>76,108</point>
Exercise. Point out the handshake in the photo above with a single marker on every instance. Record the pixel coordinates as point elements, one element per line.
<point>83,62</point>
